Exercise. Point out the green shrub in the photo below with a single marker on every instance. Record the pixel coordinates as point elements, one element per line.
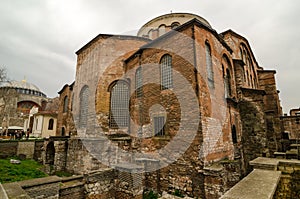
<point>150,195</point>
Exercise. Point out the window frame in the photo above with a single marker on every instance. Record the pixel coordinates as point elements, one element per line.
<point>113,124</point>
<point>159,122</point>
<point>209,65</point>
<point>139,82</point>
<point>166,72</point>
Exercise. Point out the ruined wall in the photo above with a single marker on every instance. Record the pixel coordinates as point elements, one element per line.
<point>289,185</point>
<point>254,138</point>
<point>272,109</point>
<point>79,159</point>
<point>8,148</point>
<point>100,184</point>
<point>65,117</point>
<point>30,148</point>
<point>220,177</point>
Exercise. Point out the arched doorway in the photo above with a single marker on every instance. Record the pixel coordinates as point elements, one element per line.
<point>63,132</point>
<point>50,153</point>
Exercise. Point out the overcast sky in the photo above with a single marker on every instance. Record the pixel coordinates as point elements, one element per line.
<point>39,38</point>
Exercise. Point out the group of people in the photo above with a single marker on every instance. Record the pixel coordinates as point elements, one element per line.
<point>16,134</point>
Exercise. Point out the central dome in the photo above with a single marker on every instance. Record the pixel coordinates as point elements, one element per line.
<point>22,87</point>
<point>164,23</point>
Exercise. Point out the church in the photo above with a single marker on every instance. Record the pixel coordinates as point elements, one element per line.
<point>179,107</point>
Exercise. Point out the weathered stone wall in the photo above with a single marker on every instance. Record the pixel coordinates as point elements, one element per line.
<point>30,148</point>
<point>100,184</point>
<point>65,117</point>
<point>272,109</point>
<point>8,148</point>
<point>254,138</point>
<point>26,148</point>
<point>289,185</point>
<point>220,177</point>
<point>38,148</point>
<point>42,187</point>
<point>73,191</point>
<point>79,159</point>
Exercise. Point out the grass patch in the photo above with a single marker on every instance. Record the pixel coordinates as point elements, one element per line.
<point>28,169</point>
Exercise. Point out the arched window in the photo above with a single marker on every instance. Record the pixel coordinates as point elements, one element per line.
<point>83,107</point>
<point>139,82</point>
<point>228,83</point>
<point>166,75</point>
<point>63,132</point>
<point>36,123</point>
<point>209,66</point>
<point>119,105</point>
<point>233,134</point>
<point>175,25</point>
<point>161,30</point>
<point>50,124</point>
<point>65,108</point>
<point>150,34</point>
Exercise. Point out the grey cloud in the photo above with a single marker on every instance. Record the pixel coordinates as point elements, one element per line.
<point>44,35</point>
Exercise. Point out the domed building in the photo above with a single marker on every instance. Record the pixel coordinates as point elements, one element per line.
<point>185,103</point>
<point>16,100</point>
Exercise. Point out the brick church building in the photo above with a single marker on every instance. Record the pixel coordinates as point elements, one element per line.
<point>185,104</point>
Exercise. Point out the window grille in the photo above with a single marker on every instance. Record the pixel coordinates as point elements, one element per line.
<point>84,98</point>
<point>209,66</point>
<point>139,82</point>
<point>166,72</point>
<point>119,105</point>
<point>159,126</point>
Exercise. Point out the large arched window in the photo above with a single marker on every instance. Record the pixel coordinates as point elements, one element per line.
<point>83,106</point>
<point>209,66</point>
<point>119,105</point>
<point>139,82</point>
<point>50,124</point>
<point>166,75</point>
<point>65,108</point>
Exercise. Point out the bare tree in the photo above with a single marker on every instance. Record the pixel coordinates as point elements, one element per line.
<point>3,74</point>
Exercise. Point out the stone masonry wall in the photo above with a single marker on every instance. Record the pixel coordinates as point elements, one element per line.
<point>8,148</point>
<point>254,138</point>
<point>26,148</point>
<point>100,184</point>
<point>30,148</point>
<point>289,185</point>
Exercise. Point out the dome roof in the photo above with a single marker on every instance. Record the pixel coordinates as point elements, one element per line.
<point>167,21</point>
<point>19,84</point>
